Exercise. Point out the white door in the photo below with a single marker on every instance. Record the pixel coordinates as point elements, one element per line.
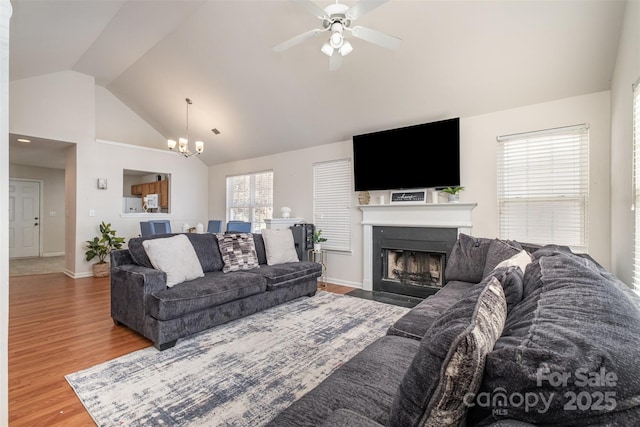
<point>24,219</point>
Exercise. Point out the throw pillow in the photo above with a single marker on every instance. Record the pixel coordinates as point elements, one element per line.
<point>499,250</point>
<point>238,251</point>
<point>175,256</point>
<point>467,259</point>
<point>450,360</point>
<point>571,345</point>
<point>520,260</point>
<point>279,246</point>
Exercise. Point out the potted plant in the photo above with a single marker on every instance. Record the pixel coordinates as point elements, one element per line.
<point>453,193</point>
<point>100,247</point>
<point>317,240</point>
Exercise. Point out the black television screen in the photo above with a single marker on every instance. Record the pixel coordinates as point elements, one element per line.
<point>419,156</point>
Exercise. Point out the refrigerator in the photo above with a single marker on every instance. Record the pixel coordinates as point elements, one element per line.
<point>131,204</point>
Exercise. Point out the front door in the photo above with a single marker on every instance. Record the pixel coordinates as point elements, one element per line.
<point>24,219</point>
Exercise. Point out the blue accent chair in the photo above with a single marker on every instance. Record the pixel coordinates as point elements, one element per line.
<point>146,229</point>
<point>238,227</point>
<point>214,226</point>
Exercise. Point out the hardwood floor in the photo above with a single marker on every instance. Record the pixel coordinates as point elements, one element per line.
<point>57,326</point>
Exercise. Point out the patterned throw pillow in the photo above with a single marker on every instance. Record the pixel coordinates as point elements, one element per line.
<point>449,364</point>
<point>238,251</point>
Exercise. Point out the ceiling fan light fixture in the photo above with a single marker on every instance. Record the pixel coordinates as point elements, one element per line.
<point>346,49</point>
<point>327,49</point>
<point>336,40</point>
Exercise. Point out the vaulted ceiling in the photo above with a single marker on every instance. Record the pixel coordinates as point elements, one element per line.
<point>457,59</point>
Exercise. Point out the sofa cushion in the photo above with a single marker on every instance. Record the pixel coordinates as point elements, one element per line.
<point>205,245</point>
<point>571,343</point>
<point>499,250</point>
<point>287,274</point>
<point>450,360</point>
<point>238,251</point>
<point>175,256</point>
<point>258,241</point>
<point>417,321</point>
<point>467,260</point>
<point>364,385</point>
<point>279,246</point>
<point>215,288</point>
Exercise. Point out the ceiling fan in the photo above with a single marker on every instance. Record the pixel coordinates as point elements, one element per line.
<point>337,19</point>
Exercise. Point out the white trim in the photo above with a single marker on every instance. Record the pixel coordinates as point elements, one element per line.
<point>538,133</point>
<point>50,254</point>
<point>137,147</point>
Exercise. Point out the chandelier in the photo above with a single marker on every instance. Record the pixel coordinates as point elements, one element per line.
<point>183,143</point>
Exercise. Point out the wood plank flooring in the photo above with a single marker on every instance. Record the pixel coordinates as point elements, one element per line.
<point>58,325</point>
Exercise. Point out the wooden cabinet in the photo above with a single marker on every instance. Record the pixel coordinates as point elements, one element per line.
<point>161,188</point>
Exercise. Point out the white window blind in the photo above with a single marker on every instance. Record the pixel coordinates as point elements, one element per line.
<point>636,183</point>
<point>543,187</point>
<point>332,203</point>
<point>250,198</point>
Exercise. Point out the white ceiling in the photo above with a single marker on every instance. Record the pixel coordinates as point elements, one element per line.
<point>457,59</point>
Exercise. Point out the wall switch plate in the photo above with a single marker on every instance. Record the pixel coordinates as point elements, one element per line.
<point>92,212</point>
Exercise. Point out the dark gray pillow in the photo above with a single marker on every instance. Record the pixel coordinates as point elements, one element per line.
<point>573,341</point>
<point>450,360</point>
<point>467,260</point>
<point>499,250</point>
<point>512,281</point>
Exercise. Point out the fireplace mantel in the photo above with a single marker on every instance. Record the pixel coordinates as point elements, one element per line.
<point>442,215</point>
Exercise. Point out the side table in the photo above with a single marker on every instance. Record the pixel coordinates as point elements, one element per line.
<point>321,258</point>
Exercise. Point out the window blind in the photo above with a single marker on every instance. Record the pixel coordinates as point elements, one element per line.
<point>332,203</point>
<point>543,187</point>
<point>636,183</point>
<point>250,198</point>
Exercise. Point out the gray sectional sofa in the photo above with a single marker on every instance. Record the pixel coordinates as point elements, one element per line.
<point>554,340</point>
<point>142,301</point>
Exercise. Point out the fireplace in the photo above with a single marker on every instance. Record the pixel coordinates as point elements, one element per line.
<point>411,260</point>
<point>453,217</point>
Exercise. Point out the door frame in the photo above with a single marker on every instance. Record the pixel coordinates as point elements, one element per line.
<point>41,197</point>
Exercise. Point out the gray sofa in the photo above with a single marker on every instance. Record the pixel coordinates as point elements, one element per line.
<point>555,345</point>
<point>142,301</point>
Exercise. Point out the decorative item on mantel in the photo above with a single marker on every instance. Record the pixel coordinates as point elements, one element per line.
<point>364,197</point>
<point>453,193</point>
<point>285,211</point>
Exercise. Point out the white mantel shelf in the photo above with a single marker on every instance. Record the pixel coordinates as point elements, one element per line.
<point>439,215</point>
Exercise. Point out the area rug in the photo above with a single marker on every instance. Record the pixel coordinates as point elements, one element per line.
<point>241,373</point>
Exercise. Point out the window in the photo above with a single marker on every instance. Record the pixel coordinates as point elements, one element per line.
<point>543,187</point>
<point>250,198</point>
<point>332,203</point>
<point>636,183</point>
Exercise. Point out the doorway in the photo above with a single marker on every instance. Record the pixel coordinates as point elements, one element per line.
<point>24,218</point>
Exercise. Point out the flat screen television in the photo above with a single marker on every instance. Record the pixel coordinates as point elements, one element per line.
<point>419,156</point>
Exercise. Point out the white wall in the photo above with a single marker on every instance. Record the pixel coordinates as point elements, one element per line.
<point>5,15</point>
<point>67,106</point>
<point>52,221</point>
<point>293,181</point>
<point>627,71</point>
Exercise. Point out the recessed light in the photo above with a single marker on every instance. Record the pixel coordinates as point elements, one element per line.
<point>24,141</point>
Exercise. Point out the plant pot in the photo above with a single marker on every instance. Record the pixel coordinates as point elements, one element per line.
<point>101,269</point>
<point>454,198</point>
<point>317,247</point>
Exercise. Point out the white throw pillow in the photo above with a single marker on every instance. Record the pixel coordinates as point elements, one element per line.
<point>521,260</point>
<point>279,246</point>
<point>175,256</point>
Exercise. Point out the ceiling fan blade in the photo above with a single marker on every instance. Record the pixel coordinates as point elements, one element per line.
<point>311,7</point>
<point>362,7</point>
<point>376,37</point>
<point>296,40</point>
<point>335,60</point>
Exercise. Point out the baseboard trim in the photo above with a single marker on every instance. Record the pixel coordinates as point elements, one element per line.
<point>344,283</point>
<point>48,254</point>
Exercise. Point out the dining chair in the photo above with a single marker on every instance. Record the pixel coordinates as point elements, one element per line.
<point>238,227</point>
<point>214,226</point>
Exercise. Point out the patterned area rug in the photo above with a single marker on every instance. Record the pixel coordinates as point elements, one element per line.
<point>238,374</point>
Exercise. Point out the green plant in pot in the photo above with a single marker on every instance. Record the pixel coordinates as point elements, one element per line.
<point>100,247</point>
<point>317,240</point>
<point>453,193</point>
